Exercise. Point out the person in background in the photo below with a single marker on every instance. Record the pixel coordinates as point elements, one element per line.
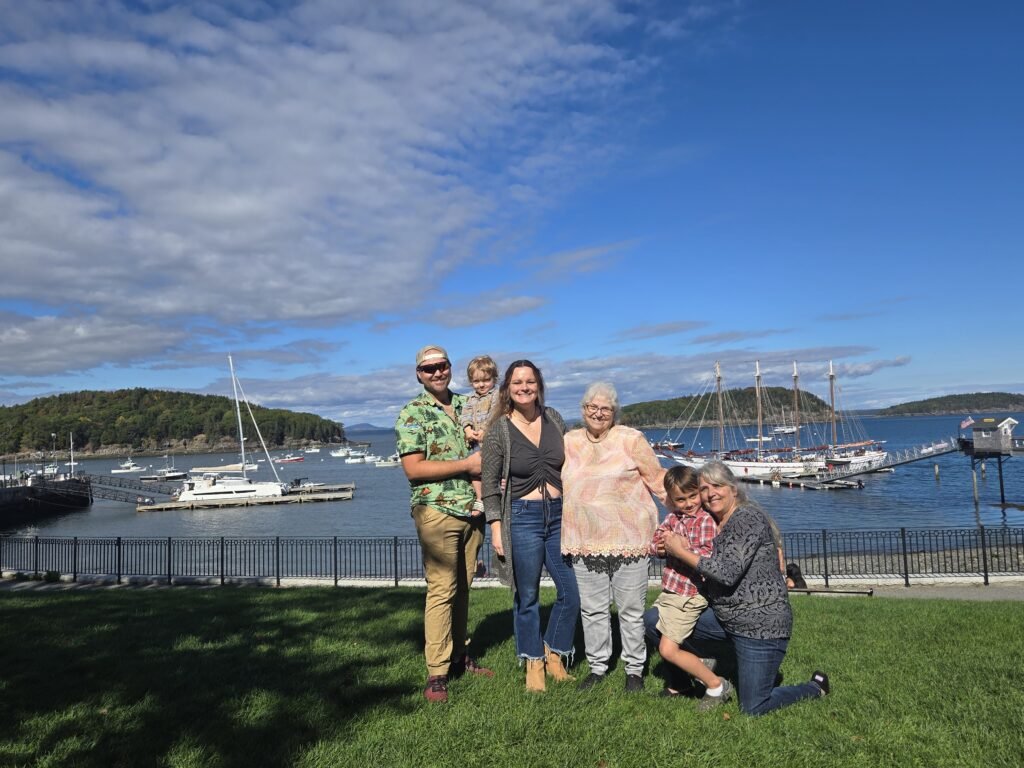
<point>437,462</point>
<point>794,577</point>
<point>611,478</point>
<point>482,373</point>
<point>750,612</point>
<point>680,603</point>
<point>522,492</point>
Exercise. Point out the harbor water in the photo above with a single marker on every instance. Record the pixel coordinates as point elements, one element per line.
<point>910,497</point>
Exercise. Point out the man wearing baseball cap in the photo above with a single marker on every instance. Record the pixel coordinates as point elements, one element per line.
<point>436,459</point>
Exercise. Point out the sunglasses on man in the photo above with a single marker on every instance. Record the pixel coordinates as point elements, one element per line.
<point>434,368</point>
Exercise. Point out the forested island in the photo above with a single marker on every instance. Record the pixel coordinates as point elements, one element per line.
<point>741,409</point>
<point>974,403</point>
<point>151,420</point>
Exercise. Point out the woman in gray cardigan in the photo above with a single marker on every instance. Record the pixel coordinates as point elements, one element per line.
<point>746,590</point>
<point>522,495</point>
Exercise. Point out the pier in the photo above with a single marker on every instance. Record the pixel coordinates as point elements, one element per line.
<point>134,491</point>
<point>838,475</point>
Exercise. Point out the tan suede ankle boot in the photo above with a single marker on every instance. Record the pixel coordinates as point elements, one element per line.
<point>555,667</point>
<point>535,675</point>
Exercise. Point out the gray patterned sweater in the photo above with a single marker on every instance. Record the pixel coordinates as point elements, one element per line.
<point>743,582</point>
<point>496,458</point>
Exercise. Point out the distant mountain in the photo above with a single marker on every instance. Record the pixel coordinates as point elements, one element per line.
<point>365,427</point>
<point>974,403</point>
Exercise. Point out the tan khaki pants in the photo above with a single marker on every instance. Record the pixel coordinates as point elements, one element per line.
<point>450,546</point>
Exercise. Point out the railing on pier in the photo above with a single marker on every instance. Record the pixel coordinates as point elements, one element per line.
<point>829,555</point>
<point>892,459</point>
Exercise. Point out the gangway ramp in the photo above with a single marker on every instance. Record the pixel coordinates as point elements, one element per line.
<point>892,459</point>
<point>127,489</point>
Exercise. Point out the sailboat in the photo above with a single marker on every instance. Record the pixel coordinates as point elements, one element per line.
<point>216,486</point>
<point>759,461</point>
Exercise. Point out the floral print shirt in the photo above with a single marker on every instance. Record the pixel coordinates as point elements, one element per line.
<point>424,427</point>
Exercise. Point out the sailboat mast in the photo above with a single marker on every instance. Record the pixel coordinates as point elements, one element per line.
<point>238,411</point>
<point>721,410</point>
<point>796,404</point>
<point>757,394</point>
<point>832,401</point>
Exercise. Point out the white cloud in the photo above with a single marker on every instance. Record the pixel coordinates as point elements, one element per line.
<point>313,164</point>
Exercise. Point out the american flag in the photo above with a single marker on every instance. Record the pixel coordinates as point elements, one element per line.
<point>966,423</point>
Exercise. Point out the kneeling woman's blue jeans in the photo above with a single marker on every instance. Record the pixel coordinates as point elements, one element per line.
<point>537,542</point>
<point>757,662</point>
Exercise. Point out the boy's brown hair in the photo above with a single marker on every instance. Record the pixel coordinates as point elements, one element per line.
<point>482,364</point>
<point>681,478</point>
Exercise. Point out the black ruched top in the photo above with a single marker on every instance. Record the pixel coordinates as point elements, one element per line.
<point>533,465</point>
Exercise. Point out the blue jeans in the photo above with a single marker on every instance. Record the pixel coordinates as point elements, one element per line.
<point>537,542</point>
<point>757,662</point>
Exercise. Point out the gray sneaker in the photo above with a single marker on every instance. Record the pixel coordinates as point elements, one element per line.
<point>710,664</point>
<point>708,703</point>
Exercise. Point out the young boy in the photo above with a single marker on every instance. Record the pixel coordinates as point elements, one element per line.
<point>482,373</point>
<point>680,603</point>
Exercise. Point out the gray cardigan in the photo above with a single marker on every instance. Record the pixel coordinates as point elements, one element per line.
<point>745,587</point>
<point>496,459</point>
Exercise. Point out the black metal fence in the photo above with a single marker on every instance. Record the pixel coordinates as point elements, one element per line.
<point>828,555</point>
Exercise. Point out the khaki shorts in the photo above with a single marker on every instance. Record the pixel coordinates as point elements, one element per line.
<point>677,614</point>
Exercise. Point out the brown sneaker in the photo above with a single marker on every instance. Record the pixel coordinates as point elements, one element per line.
<point>468,664</point>
<point>437,688</point>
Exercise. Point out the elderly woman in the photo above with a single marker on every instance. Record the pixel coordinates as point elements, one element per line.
<point>610,477</point>
<point>747,593</point>
<point>522,495</point>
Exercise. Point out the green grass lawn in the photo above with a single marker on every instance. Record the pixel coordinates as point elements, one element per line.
<point>332,677</point>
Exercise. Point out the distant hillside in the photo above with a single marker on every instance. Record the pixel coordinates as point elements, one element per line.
<point>149,419</point>
<point>742,408</point>
<point>977,402</point>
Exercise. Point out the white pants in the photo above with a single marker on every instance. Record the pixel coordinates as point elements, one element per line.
<point>627,586</point>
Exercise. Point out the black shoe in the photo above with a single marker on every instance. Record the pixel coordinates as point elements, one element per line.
<point>634,683</point>
<point>820,679</point>
<point>590,681</point>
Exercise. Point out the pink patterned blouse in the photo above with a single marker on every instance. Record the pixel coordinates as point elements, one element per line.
<point>607,487</point>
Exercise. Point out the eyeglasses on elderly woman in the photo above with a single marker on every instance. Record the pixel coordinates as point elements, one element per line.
<point>594,410</point>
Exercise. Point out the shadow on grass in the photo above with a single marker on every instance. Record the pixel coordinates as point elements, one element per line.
<point>228,676</point>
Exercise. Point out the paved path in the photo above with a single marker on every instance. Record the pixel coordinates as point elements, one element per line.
<point>951,589</point>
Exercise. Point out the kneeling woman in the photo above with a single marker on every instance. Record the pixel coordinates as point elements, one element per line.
<point>523,454</point>
<point>747,594</point>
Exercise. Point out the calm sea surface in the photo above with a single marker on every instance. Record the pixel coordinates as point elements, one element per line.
<point>911,496</point>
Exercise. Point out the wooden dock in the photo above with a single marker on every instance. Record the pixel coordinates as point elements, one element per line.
<point>297,495</point>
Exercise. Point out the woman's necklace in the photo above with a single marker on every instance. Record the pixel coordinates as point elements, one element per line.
<point>523,420</point>
<point>591,439</point>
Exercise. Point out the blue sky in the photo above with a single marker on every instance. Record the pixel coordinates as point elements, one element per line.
<point>625,191</point>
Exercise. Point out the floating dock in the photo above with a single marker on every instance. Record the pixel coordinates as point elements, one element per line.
<point>297,495</point>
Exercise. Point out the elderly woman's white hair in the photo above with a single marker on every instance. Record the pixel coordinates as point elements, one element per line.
<point>602,389</point>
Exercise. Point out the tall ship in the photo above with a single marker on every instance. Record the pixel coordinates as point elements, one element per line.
<point>780,451</point>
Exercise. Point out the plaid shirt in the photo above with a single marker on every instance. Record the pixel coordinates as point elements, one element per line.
<point>699,530</point>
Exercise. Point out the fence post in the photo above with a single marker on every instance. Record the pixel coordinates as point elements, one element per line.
<point>984,553</point>
<point>222,561</point>
<point>824,553</point>
<point>74,559</point>
<point>118,559</point>
<point>906,562</point>
<point>35,557</point>
<point>394,552</point>
<point>277,559</point>
<point>334,551</point>
<point>168,561</point>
